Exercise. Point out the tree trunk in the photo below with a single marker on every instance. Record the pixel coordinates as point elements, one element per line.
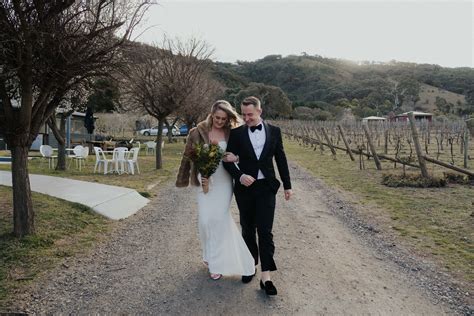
<point>169,135</point>
<point>60,135</point>
<point>23,213</point>
<point>62,145</point>
<point>159,141</point>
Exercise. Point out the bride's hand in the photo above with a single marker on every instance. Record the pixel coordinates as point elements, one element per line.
<point>204,181</point>
<point>230,157</point>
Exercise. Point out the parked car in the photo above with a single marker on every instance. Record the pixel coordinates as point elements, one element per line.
<point>183,130</point>
<point>154,131</point>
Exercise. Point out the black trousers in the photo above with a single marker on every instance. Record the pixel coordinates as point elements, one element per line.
<point>257,209</point>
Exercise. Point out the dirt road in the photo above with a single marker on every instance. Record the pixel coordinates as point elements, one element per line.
<point>152,265</point>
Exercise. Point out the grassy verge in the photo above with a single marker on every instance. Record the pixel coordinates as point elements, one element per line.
<point>435,222</point>
<point>65,229</point>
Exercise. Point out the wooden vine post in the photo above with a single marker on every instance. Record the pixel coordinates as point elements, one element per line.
<point>349,151</point>
<point>466,147</point>
<point>372,147</point>
<point>414,133</point>
<point>321,147</point>
<point>323,130</point>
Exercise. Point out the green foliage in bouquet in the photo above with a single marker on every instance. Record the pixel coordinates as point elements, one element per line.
<point>206,158</point>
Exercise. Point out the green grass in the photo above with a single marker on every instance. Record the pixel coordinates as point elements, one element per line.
<point>65,229</point>
<point>141,182</point>
<point>434,222</point>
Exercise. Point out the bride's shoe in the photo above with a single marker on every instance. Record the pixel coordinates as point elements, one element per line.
<point>216,276</point>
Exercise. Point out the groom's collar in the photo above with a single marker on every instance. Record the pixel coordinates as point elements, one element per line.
<point>261,122</point>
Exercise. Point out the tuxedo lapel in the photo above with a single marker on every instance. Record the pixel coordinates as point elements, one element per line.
<point>247,141</point>
<point>267,140</point>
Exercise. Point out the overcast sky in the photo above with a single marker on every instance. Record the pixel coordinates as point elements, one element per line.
<point>435,32</point>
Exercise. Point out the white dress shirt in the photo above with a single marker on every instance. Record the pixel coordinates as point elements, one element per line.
<point>257,138</point>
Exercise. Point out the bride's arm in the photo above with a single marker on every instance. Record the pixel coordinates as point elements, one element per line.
<point>232,148</point>
<point>230,157</point>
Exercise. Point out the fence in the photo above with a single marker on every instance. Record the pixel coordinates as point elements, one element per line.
<point>412,143</point>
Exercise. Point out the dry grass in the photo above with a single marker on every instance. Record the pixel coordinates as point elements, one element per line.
<point>434,222</point>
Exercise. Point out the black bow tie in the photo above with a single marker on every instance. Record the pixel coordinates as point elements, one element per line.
<point>253,128</point>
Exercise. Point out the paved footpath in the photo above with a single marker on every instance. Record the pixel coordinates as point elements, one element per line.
<point>110,201</point>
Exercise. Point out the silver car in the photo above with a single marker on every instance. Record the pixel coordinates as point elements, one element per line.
<point>154,131</point>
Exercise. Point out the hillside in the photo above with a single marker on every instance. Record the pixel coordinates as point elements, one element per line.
<point>428,95</point>
<point>326,84</point>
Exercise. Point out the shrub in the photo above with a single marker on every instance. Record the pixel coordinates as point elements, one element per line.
<point>412,180</point>
<point>453,177</point>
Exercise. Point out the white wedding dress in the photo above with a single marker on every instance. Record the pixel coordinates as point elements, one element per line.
<point>222,244</point>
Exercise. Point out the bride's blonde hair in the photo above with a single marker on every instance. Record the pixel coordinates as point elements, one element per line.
<point>233,118</point>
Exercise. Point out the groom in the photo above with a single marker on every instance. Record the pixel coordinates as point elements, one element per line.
<point>257,143</point>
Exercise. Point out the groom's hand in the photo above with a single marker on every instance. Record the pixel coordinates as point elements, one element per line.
<point>288,194</point>
<point>247,180</point>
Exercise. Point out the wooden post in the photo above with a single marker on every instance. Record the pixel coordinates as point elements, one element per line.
<point>414,133</point>
<point>372,147</point>
<point>385,147</point>
<point>349,151</point>
<point>449,166</point>
<point>328,141</point>
<point>466,147</point>
<point>321,147</point>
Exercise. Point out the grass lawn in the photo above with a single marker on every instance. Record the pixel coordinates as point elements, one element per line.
<point>434,222</point>
<point>142,182</point>
<point>64,229</point>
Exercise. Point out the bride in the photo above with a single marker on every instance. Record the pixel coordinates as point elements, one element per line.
<point>223,248</point>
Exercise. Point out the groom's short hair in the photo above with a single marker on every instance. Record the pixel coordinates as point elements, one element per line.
<point>252,101</point>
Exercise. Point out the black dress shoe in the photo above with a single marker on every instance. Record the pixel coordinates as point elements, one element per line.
<point>247,278</point>
<point>269,288</point>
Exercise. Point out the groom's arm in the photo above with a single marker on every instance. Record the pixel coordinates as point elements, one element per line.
<point>281,162</point>
<point>232,147</point>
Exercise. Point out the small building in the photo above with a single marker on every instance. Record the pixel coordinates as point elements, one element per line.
<point>76,133</point>
<point>368,119</point>
<point>419,116</point>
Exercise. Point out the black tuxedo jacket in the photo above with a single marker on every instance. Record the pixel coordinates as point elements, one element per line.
<point>239,144</point>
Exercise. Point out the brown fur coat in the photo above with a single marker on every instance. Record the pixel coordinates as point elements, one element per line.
<point>187,173</point>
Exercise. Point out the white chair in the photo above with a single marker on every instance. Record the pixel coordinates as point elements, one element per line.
<point>119,159</point>
<point>100,159</point>
<point>80,155</point>
<point>77,150</point>
<point>131,163</point>
<point>150,147</point>
<point>47,153</point>
<point>137,143</point>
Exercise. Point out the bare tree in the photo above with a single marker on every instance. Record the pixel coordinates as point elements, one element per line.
<point>160,79</point>
<point>46,49</point>
<point>199,101</point>
<point>74,100</point>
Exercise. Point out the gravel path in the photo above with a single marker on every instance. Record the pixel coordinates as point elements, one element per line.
<point>152,265</point>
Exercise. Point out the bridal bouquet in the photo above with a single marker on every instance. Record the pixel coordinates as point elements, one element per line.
<point>206,159</point>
